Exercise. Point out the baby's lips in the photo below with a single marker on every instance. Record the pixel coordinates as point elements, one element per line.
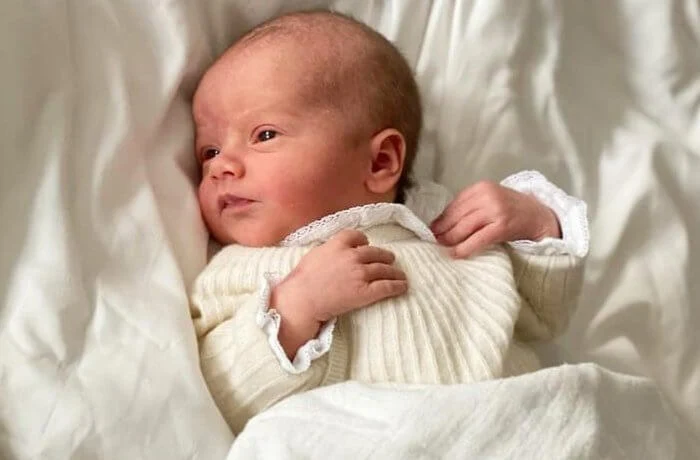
<point>231,200</point>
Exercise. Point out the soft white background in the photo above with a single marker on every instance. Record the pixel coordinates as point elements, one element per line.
<point>101,237</point>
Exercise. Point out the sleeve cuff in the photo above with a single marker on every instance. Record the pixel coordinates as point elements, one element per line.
<point>269,321</point>
<point>570,211</point>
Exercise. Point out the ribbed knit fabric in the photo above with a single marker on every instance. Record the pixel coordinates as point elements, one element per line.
<point>456,324</point>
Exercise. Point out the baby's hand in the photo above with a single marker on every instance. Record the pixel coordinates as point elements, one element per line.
<point>488,213</point>
<point>341,275</point>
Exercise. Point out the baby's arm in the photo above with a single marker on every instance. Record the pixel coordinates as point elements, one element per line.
<point>232,322</point>
<point>549,272</point>
<point>546,229</point>
<point>341,275</point>
<point>524,210</point>
<point>247,337</point>
<point>488,213</point>
<point>549,286</point>
<point>242,372</point>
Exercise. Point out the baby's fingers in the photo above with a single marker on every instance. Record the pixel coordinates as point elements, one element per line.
<point>373,254</point>
<point>450,217</point>
<point>378,271</point>
<point>477,242</point>
<point>463,229</point>
<point>384,289</point>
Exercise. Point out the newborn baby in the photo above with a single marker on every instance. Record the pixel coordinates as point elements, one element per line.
<point>306,131</point>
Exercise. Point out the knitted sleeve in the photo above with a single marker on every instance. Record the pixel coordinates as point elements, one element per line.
<point>549,287</point>
<point>242,372</point>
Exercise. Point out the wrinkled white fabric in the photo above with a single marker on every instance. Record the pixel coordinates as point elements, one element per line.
<point>572,412</point>
<point>101,235</point>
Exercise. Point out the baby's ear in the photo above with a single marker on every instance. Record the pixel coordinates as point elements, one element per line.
<point>388,156</point>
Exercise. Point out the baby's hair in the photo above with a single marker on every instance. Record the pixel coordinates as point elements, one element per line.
<point>358,71</point>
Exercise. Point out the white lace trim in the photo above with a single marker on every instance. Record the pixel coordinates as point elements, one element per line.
<point>359,218</point>
<point>269,320</point>
<point>571,212</point>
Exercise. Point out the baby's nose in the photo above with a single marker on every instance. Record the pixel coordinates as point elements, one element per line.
<point>224,167</point>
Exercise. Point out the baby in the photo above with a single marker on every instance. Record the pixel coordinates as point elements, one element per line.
<point>306,129</point>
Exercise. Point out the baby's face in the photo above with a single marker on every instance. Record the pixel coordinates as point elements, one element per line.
<point>271,163</point>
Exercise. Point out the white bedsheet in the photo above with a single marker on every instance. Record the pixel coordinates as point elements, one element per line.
<point>101,235</point>
<point>577,412</point>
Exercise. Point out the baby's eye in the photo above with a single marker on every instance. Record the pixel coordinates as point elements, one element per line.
<point>208,154</point>
<point>266,135</point>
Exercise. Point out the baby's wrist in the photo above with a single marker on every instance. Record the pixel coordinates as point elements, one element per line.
<point>552,227</point>
<point>547,222</point>
<point>297,325</point>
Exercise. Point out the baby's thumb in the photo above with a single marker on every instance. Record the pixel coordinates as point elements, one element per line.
<point>350,238</point>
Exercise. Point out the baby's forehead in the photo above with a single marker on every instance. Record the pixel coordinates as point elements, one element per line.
<point>310,62</point>
<point>313,51</point>
<point>289,62</point>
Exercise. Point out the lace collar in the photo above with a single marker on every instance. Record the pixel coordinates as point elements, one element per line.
<point>359,218</point>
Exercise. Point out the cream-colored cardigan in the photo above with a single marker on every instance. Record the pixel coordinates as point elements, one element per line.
<point>461,320</point>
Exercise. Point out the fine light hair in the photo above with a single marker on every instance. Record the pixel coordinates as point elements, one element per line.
<point>355,70</point>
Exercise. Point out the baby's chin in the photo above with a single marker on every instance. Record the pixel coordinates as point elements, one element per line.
<point>251,238</point>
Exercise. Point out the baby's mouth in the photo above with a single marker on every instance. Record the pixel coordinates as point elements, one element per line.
<point>230,202</point>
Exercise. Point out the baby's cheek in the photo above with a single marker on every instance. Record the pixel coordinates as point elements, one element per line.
<point>291,192</point>
<point>202,198</point>
<point>316,194</point>
<point>206,205</point>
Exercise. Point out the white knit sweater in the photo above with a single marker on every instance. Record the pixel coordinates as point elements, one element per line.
<point>461,320</point>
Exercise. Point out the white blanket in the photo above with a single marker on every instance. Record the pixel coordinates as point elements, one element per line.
<point>581,412</point>
<point>101,235</point>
